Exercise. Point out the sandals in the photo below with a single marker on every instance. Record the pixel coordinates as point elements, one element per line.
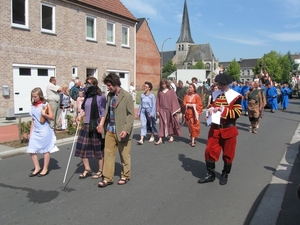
<point>171,139</point>
<point>85,174</point>
<point>104,183</point>
<point>192,144</point>
<point>97,175</point>
<point>158,142</point>
<point>123,181</point>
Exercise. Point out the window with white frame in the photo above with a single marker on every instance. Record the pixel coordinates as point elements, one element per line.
<point>110,33</point>
<point>125,36</point>
<point>90,28</point>
<point>19,13</point>
<point>48,18</point>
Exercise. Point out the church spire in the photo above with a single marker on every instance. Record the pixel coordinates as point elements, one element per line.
<point>185,32</point>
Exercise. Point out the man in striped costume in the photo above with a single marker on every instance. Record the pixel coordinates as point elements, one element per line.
<point>225,104</point>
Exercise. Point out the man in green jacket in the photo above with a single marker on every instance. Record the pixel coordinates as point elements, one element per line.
<point>118,128</point>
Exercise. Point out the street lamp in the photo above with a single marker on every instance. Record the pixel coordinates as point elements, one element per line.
<point>162,56</point>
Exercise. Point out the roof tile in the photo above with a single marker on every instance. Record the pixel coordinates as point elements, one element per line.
<point>114,6</point>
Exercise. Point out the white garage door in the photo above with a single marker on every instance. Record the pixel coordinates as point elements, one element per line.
<point>26,78</point>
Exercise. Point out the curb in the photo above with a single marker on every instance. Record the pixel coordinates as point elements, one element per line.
<point>269,208</point>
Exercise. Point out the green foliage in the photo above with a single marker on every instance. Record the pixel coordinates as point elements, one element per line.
<point>234,70</point>
<point>198,65</point>
<point>25,131</point>
<point>277,65</point>
<point>168,69</point>
<point>294,66</point>
<point>72,125</point>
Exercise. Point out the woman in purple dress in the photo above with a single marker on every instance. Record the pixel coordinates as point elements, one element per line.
<point>90,143</point>
<point>167,107</point>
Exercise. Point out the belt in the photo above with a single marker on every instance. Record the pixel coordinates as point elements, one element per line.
<point>220,126</point>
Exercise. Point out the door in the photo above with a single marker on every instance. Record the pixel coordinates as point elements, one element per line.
<point>25,79</point>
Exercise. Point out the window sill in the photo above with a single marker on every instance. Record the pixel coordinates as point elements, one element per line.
<point>20,28</point>
<point>90,40</point>
<point>111,44</point>
<point>124,46</point>
<point>51,33</point>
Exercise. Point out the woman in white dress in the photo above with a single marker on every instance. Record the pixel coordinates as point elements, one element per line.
<point>42,138</point>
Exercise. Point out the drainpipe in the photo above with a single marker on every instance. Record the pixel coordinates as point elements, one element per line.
<point>134,63</point>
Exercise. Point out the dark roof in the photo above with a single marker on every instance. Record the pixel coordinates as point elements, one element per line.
<point>167,56</point>
<point>185,32</point>
<point>200,52</point>
<point>244,63</point>
<point>112,6</point>
<point>141,20</point>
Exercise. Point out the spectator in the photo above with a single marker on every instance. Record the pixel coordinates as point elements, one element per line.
<point>52,91</point>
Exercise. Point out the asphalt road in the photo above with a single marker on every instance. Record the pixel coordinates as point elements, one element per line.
<point>163,188</point>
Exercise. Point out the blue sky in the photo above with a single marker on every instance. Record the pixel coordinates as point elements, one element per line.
<point>234,28</point>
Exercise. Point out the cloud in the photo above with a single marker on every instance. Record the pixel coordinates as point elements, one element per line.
<point>286,37</point>
<point>249,41</point>
<point>140,7</point>
<point>199,15</point>
<point>220,24</point>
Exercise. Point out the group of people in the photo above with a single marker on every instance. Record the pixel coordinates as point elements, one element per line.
<point>63,99</point>
<point>107,126</point>
<point>108,122</point>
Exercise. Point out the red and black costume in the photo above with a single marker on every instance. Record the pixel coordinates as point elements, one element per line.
<point>222,136</point>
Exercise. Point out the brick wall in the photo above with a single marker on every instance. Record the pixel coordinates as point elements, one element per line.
<point>147,58</point>
<point>64,49</point>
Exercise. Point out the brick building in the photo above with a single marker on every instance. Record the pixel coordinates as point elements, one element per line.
<point>147,56</point>
<point>61,38</point>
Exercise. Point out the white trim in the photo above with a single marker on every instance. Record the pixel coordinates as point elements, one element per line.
<point>26,26</point>
<point>33,66</point>
<point>94,38</point>
<point>113,31</point>
<point>117,71</point>
<point>53,18</point>
<point>128,30</point>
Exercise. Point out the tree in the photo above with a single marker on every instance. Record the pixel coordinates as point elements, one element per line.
<point>168,69</point>
<point>277,65</point>
<point>234,70</point>
<point>198,65</point>
<point>294,65</point>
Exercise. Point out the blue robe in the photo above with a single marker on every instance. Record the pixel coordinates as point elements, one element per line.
<point>243,91</point>
<point>272,97</point>
<point>285,97</point>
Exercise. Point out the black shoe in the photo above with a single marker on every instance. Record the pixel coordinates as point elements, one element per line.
<point>42,175</point>
<point>209,178</point>
<point>224,179</point>
<point>35,174</point>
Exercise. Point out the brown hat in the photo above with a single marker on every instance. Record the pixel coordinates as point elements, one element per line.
<point>223,79</point>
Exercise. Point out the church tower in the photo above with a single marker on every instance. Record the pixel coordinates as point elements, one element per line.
<point>185,40</point>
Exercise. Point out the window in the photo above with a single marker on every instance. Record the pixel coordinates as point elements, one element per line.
<point>74,71</point>
<point>125,36</point>
<point>25,71</point>
<point>19,15</point>
<point>207,66</point>
<point>90,28</point>
<point>48,18</point>
<point>110,33</point>
<point>43,72</point>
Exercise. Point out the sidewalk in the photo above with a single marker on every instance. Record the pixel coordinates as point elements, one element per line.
<point>9,131</point>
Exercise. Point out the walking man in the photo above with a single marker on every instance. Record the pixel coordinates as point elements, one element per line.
<point>226,104</point>
<point>118,128</point>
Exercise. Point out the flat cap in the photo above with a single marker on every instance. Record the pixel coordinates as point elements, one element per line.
<point>223,79</point>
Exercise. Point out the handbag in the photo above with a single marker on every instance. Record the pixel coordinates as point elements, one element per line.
<point>43,119</point>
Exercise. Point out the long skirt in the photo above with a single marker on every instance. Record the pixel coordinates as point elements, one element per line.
<point>89,144</point>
